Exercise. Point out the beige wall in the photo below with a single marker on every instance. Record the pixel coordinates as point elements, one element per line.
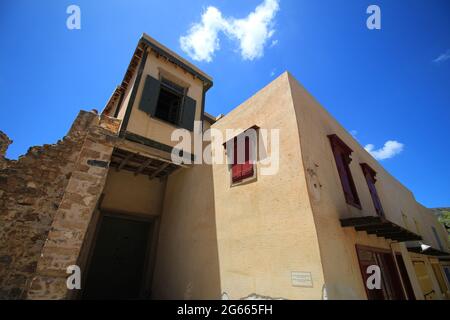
<point>427,220</point>
<point>187,263</point>
<point>265,228</point>
<point>337,244</point>
<point>129,193</point>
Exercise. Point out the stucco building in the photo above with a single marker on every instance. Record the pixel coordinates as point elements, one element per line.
<point>111,199</point>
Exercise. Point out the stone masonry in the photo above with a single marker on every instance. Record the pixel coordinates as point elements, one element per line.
<point>4,143</point>
<point>46,200</point>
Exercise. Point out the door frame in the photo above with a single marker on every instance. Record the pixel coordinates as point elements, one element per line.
<point>150,251</point>
<point>384,278</point>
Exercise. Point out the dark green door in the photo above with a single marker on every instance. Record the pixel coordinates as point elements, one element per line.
<point>118,261</point>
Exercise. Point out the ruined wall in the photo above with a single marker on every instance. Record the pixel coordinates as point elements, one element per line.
<point>65,245</point>
<point>4,143</point>
<point>31,189</point>
<point>31,192</point>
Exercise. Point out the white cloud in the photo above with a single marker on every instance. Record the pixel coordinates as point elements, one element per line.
<point>202,40</point>
<point>443,57</point>
<point>390,149</point>
<point>252,32</point>
<point>272,73</point>
<point>274,43</point>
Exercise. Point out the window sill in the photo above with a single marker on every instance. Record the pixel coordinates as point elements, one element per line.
<point>173,125</point>
<point>244,181</point>
<point>356,205</point>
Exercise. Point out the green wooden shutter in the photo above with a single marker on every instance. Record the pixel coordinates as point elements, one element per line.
<point>188,116</point>
<point>150,94</point>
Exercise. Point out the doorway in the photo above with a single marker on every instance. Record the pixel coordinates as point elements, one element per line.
<point>391,287</point>
<point>424,279</point>
<point>405,277</point>
<point>120,258</point>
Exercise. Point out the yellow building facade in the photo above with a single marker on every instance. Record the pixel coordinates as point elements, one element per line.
<point>320,225</point>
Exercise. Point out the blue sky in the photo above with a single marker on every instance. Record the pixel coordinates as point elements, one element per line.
<point>388,84</point>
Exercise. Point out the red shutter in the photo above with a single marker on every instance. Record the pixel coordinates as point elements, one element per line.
<point>244,170</point>
<point>343,174</point>
<point>342,154</point>
<point>247,166</point>
<point>375,199</point>
<point>236,168</point>
<point>369,174</point>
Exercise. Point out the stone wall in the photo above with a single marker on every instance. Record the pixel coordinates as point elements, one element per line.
<point>64,243</point>
<point>32,192</point>
<point>4,143</point>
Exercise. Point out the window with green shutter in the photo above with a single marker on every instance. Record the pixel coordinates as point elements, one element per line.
<point>169,102</point>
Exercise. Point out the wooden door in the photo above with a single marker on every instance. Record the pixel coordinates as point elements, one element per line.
<point>391,287</point>
<point>405,277</point>
<point>424,280</point>
<point>118,262</point>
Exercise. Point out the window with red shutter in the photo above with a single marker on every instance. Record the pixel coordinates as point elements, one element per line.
<point>370,174</point>
<point>241,171</point>
<point>342,154</point>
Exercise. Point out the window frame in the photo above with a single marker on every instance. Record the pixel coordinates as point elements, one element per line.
<point>175,89</point>
<point>342,159</point>
<point>150,97</point>
<point>251,174</point>
<point>391,283</point>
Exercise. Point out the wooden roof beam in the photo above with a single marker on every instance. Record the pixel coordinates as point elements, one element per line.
<point>144,165</point>
<point>125,161</point>
<point>160,169</point>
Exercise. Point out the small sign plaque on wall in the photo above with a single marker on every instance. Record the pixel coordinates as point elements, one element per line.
<point>301,279</point>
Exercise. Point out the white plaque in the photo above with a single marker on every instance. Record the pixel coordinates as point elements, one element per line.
<point>301,279</point>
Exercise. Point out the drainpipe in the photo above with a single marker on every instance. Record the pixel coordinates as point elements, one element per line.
<point>398,271</point>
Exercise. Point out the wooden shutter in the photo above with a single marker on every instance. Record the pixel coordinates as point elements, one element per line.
<point>370,174</point>
<point>375,198</point>
<point>150,94</point>
<point>343,175</point>
<point>188,115</point>
<point>247,166</point>
<point>236,168</point>
<point>342,154</point>
<point>405,277</point>
<point>367,258</point>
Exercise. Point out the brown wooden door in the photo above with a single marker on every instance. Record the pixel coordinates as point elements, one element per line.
<point>367,258</point>
<point>405,277</point>
<point>118,261</point>
<point>391,287</point>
